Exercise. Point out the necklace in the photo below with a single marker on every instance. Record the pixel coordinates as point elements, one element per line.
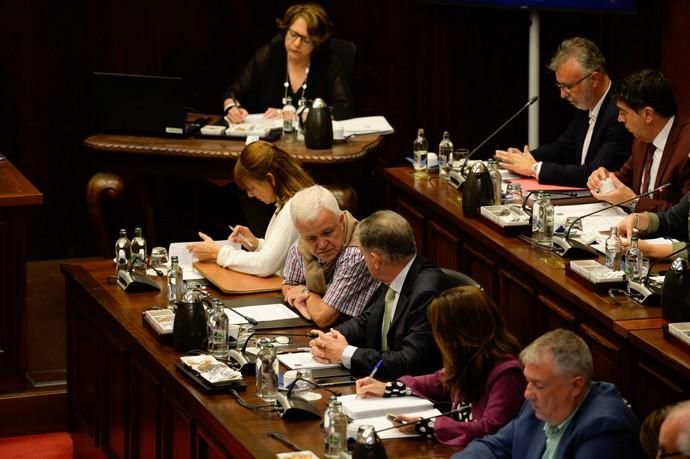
<point>286,85</point>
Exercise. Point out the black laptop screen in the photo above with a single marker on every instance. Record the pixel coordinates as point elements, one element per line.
<point>139,104</point>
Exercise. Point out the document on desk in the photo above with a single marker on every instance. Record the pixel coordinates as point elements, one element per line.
<point>359,407</point>
<point>260,313</point>
<point>603,221</point>
<point>365,125</point>
<point>382,422</point>
<point>303,360</point>
<point>187,260</point>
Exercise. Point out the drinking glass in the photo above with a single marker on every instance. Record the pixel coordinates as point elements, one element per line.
<point>644,268</point>
<point>159,257</point>
<point>457,158</point>
<point>574,223</point>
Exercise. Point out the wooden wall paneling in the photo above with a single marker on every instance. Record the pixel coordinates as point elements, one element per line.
<point>115,383</point>
<point>83,383</point>
<point>177,430</point>
<point>408,209</point>
<point>610,356</point>
<point>518,303</point>
<point>655,388</point>
<point>207,448</point>
<point>145,412</point>
<point>480,268</point>
<point>443,245</point>
<point>554,314</point>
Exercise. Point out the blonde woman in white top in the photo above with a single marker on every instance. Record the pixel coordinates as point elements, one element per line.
<point>272,176</point>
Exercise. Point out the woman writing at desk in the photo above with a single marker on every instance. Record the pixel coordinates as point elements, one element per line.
<point>270,175</point>
<point>481,376</point>
<point>300,66</point>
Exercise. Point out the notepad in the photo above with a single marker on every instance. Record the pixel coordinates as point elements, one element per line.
<point>261,313</point>
<point>358,408</point>
<point>382,422</point>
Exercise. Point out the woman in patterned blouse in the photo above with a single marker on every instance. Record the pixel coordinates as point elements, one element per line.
<point>481,377</point>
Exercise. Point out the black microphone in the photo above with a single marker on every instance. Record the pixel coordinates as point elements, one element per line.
<point>457,179</point>
<point>142,261</point>
<point>499,129</point>
<point>568,248</point>
<point>642,292</point>
<point>299,377</point>
<point>447,413</point>
<point>666,258</point>
<point>248,319</point>
<point>244,362</point>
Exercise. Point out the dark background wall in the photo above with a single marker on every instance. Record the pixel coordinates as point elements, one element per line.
<point>432,66</point>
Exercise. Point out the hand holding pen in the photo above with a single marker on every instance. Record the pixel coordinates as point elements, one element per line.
<point>363,385</point>
<point>242,234</point>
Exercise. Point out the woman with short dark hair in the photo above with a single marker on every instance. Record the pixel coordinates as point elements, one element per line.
<point>299,65</point>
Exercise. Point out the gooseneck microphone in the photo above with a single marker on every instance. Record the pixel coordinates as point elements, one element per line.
<point>248,319</point>
<point>311,383</point>
<point>568,248</point>
<point>295,407</point>
<point>499,129</point>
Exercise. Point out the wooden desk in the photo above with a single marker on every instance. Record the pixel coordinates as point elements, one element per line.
<point>17,196</point>
<point>535,293</point>
<point>127,400</point>
<point>123,158</point>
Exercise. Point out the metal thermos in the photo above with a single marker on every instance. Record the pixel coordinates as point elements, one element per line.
<point>318,129</point>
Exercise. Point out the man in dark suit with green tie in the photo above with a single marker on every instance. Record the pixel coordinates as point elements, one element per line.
<point>394,327</point>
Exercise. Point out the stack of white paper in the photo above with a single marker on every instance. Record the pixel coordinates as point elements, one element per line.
<point>367,407</point>
<point>365,125</point>
<point>186,260</point>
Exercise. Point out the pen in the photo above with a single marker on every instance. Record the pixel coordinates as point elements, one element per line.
<point>244,240</point>
<point>373,372</point>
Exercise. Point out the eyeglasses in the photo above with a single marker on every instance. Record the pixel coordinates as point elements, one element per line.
<point>292,36</point>
<point>660,453</point>
<point>569,86</point>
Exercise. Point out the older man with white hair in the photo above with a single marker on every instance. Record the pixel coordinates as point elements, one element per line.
<point>325,276</point>
<point>565,414</point>
<point>674,434</point>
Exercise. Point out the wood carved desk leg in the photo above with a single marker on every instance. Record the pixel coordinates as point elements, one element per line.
<point>111,186</point>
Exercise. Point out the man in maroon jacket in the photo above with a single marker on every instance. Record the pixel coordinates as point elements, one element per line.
<point>660,149</point>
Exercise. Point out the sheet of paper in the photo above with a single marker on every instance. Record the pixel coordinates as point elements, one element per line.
<point>299,360</point>
<point>187,260</point>
<point>531,184</point>
<point>358,408</point>
<point>382,422</point>
<point>261,313</point>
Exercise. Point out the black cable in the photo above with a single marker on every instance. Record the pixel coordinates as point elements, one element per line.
<point>251,406</point>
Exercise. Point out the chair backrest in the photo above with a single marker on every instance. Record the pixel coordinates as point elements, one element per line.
<point>458,279</point>
<point>345,51</point>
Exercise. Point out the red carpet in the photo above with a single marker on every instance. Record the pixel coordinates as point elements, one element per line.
<point>44,446</point>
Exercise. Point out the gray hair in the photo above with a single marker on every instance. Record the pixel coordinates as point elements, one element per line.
<point>571,355</point>
<point>390,233</point>
<point>306,204</point>
<point>583,50</point>
<point>682,412</point>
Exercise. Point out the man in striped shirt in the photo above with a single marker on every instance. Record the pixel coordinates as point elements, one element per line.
<point>325,276</point>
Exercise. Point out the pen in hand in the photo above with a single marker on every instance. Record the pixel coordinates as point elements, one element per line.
<point>373,372</point>
<point>245,242</point>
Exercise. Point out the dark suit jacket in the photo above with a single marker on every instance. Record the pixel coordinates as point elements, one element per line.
<point>603,427</point>
<point>609,148</point>
<point>674,168</point>
<point>411,346</point>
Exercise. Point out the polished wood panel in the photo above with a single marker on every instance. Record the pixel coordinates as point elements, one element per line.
<point>161,412</point>
<point>17,196</point>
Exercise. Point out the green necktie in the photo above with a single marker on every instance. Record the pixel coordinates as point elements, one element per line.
<point>387,317</point>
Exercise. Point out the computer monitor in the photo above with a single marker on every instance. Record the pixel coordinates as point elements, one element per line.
<point>139,104</point>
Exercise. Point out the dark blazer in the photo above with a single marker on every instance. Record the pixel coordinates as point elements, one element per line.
<point>609,148</point>
<point>411,346</point>
<point>674,168</point>
<point>260,84</point>
<point>603,427</point>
